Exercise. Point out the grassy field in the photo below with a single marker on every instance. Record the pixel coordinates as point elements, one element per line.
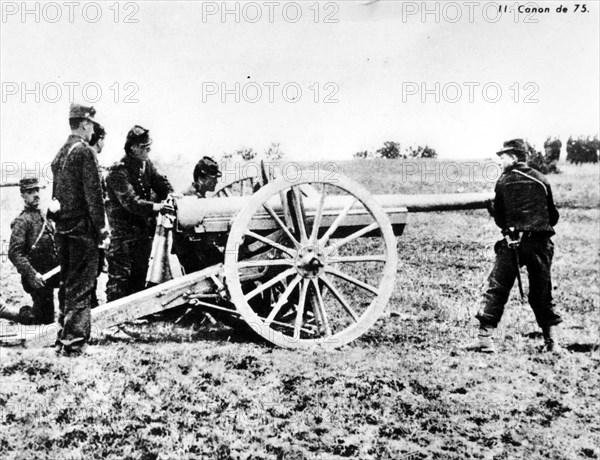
<point>404,390</point>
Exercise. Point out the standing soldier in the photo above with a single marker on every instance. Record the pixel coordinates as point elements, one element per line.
<point>196,252</point>
<point>32,251</point>
<point>130,186</point>
<point>81,227</point>
<point>524,209</point>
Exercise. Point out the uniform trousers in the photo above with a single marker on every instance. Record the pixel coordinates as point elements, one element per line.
<point>534,252</point>
<point>78,258</point>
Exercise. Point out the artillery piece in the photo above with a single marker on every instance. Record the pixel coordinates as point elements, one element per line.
<point>308,262</point>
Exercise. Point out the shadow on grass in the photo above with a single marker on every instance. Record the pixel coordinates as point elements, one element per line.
<point>157,331</point>
<point>583,347</point>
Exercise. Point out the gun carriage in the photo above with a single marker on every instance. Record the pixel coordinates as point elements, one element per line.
<point>308,262</point>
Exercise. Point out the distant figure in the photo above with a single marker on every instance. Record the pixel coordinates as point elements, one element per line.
<point>130,185</point>
<point>81,228</point>
<point>525,211</point>
<point>33,252</point>
<point>198,251</point>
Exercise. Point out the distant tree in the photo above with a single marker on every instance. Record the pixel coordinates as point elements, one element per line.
<point>390,150</point>
<point>422,152</point>
<point>362,154</point>
<point>245,153</point>
<point>274,152</point>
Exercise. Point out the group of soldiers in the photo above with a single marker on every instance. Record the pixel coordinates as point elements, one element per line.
<point>85,210</point>
<point>134,192</point>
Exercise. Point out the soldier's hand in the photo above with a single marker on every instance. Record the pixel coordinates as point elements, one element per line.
<point>164,208</point>
<point>38,281</point>
<point>104,237</point>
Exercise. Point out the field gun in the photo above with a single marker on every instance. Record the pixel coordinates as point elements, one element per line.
<point>308,262</point>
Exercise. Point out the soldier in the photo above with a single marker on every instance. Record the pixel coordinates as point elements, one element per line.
<point>97,140</point>
<point>525,211</point>
<point>130,186</point>
<point>33,252</point>
<point>81,227</point>
<point>196,252</point>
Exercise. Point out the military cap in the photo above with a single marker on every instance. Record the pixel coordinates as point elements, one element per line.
<point>138,136</point>
<point>516,147</point>
<point>81,111</point>
<point>207,167</point>
<point>29,183</point>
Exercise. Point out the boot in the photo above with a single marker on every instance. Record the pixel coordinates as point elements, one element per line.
<point>484,342</point>
<point>551,339</point>
<point>9,313</point>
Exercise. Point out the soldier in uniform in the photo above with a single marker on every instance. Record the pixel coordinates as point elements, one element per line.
<point>196,252</point>
<point>136,191</point>
<point>81,227</point>
<point>525,211</point>
<point>97,140</point>
<point>33,252</point>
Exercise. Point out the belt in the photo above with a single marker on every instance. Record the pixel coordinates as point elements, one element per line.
<point>535,234</point>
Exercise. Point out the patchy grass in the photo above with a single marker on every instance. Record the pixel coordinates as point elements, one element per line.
<point>403,390</point>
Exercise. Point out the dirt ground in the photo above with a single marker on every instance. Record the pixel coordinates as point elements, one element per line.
<point>404,390</point>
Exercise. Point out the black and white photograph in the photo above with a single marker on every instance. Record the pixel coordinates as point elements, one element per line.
<point>300,230</point>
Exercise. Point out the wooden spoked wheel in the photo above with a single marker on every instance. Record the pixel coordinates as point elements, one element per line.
<point>243,186</point>
<point>330,268</point>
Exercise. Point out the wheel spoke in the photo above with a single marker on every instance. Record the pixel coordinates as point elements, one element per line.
<point>296,199</point>
<point>370,258</point>
<point>300,311</point>
<point>340,297</point>
<point>284,227</point>
<point>270,242</point>
<point>336,223</point>
<point>318,216</point>
<point>283,299</point>
<point>321,308</point>
<point>352,280</point>
<point>356,234</point>
<point>270,283</point>
<point>265,263</point>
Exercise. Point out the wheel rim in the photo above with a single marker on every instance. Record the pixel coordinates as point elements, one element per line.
<point>326,283</point>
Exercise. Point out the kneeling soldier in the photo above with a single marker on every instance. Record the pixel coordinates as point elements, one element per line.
<point>525,211</point>
<point>196,252</point>
<point>33,252</point>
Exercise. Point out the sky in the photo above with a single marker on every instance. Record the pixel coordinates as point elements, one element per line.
<point>334,77</point>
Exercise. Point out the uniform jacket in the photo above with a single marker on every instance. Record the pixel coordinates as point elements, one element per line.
<point>524,201</point>
<point>193,190</point>
<point>76,183</point>
<point>25,230</point>
<point>132,188</point>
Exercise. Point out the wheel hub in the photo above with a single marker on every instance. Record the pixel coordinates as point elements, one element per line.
<point>310,262</point>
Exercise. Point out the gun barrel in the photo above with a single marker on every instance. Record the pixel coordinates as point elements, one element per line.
<point>214,214</point>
